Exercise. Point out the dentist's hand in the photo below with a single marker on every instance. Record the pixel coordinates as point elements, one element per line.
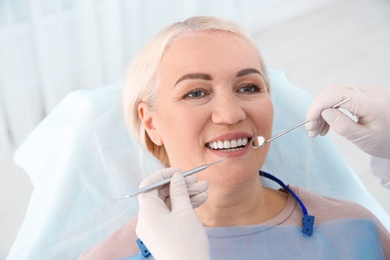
<point>167,223</point>
<point>371,104</point>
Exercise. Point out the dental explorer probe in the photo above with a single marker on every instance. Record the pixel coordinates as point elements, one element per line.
<point>166,181</point>
<point>259,141</point>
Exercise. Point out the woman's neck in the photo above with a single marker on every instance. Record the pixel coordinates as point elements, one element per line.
<point>241,206</point>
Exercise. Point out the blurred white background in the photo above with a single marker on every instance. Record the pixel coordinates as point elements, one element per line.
<point>49,48</point>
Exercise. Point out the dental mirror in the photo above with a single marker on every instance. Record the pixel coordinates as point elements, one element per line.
<point>259,141</point>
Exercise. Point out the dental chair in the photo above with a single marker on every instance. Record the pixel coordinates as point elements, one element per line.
<point>82,154</point>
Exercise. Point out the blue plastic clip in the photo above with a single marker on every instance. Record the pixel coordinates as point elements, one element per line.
<point>144,250</point>
<point>307,224</point>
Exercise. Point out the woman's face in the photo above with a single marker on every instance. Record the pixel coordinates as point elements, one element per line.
<point>211,101</point>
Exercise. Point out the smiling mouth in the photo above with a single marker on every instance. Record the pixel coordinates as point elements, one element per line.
<point>228,145</point>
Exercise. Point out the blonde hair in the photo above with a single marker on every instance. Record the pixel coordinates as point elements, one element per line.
<point>141,77</point>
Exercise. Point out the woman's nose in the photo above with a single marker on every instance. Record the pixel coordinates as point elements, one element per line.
<point>227,110</point>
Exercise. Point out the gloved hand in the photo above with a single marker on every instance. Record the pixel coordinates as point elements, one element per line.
<point>167,223</point>
<point>371,104</point>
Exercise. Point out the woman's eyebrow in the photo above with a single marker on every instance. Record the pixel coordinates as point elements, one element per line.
<point>206,76</point>
<point>247,71</point>
<point>203,76</point>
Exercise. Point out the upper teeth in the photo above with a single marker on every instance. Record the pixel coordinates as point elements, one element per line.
<point>228,144</point>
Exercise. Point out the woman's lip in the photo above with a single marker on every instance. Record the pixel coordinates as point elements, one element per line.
<point>231,136</point>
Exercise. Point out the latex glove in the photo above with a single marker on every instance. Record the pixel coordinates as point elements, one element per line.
<point>381,169</point>
<point>371,104</point>
<point>167,223</point>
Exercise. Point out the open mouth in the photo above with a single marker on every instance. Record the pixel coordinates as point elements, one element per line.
<point>228,145</point>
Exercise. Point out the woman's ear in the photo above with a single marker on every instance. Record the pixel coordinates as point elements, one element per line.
<point>148,121</point>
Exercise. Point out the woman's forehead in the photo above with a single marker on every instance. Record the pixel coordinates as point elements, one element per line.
<point>208,41</point>
<point>209,50</point>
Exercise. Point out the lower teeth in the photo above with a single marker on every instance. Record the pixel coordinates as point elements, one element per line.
<point>230,149</point>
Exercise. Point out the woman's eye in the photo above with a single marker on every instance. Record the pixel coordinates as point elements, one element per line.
<point>197,93</point>
<point>249,88</point>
